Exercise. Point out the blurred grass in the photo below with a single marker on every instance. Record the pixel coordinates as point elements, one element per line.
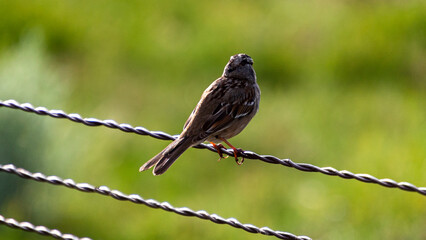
<point>343,85</point>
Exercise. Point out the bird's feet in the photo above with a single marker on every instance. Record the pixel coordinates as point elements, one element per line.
<point>237,151</point>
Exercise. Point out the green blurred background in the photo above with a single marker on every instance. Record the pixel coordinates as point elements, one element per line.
<point>343,85</point>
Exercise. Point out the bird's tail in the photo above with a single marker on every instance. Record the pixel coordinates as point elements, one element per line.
<point>168,156</point>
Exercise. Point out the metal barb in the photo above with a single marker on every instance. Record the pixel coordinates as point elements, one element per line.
<point>104,190</point>
<point>246,154</point>
<point>38,229</point>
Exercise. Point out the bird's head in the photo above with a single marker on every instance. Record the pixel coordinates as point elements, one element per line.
<point>240,66</point>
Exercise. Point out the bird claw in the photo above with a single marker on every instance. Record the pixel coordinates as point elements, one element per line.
<point>238,153</point>
<point>219,148</point>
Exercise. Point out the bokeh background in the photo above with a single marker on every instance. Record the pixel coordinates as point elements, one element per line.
<point>343,85</point>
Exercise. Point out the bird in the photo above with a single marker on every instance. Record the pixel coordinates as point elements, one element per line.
<point>224,110</point>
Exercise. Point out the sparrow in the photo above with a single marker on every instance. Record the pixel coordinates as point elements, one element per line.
<point>224,110</point>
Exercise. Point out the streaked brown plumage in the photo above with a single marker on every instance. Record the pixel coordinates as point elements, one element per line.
<point>224,110</point>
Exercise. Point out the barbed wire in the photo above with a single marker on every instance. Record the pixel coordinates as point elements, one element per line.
<point>367,178</point>
<point>134,198</point>
<point>38,229</point>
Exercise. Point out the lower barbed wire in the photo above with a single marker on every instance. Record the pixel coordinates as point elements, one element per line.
<point>104,190</point>
<point>38,229</point>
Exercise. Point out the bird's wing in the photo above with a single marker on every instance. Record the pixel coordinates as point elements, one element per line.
<point>226,112</point>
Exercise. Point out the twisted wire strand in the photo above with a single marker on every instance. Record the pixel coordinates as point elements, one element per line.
<point>134,198</point>
<point>367,178</point>
<point>38,229</point>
